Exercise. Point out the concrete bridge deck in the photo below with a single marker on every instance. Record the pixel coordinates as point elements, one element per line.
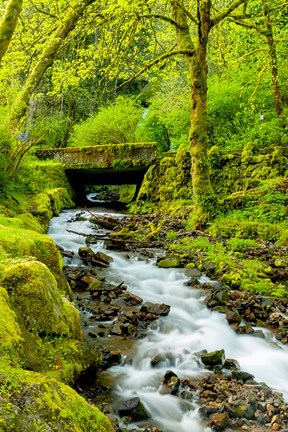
<point>113,156</point>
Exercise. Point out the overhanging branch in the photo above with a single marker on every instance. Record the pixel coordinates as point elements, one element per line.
<point>169,54</point>
<point>226,12</point>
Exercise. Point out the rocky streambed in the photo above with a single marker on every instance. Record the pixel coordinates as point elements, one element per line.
<point>170,364</point>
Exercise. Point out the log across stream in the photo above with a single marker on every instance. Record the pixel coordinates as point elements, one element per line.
<point>174,342</point>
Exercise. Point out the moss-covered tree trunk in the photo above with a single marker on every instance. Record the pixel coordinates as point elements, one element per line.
<point>50,49</point>
<point>197,65</point>
<point>273,58</point>
<point>8,24</point>
<point>198,130</point>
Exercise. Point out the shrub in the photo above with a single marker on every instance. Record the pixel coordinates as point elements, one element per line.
<point>113,124</point>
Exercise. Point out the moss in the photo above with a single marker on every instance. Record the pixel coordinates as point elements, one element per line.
<point>168,262</point>
<point>34,294</point>
<point>10,334</point>
<point>168,179</point>
<point>118,156</point>
<point>40,206</point>
<point>230,226</point>
<point>127,193</point>
<point>60,198</point>
<point>16,242</point>
<point>32,402</point>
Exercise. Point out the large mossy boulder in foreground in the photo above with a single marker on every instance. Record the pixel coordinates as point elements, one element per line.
<point>35,296</point>
<point>35,402</point>
<point>18,242</point>
<point>40,329</point>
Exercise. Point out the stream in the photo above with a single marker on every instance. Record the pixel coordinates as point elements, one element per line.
<point>189,328</point>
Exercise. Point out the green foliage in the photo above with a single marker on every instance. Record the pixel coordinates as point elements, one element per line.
<point>151,128</point>
<point>230,226</point>
<point>167,119</point>
<point>241,245</point>
<point>171,235</point>
<point>50,130</point>
<point>113,124</point>
<point>6,145</point>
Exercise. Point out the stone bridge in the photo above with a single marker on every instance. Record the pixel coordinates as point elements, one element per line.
<point>103,164</point>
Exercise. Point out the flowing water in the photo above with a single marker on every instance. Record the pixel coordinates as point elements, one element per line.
<point>189,328</point>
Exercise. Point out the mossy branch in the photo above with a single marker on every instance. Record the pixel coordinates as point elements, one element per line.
<point>8,24</point>
<point>226,12</point>
<point>162,17</point>
<point>148,66</point>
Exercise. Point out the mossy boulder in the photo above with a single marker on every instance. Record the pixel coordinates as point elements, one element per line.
<point>60,198</point>
<point>168,179</point>
<point>213,358</point>
<point>30,402</point>
<point>168,262</point>
<point>10,334</point>
<point>34,294</point>
<point>39,328</point>
<point>18,243</point>
<point>127,193</point>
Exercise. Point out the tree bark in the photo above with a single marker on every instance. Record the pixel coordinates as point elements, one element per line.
<point>273,59</point>
<point>197,66</point>
<point>19,108</point>
<point>202,188</point>
<point>8,24</point>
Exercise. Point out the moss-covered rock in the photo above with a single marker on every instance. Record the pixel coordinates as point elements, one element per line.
<point>168,262</point>
<point>10,334</point>
<point>127,193</point>
<point>34,294</point>
<point>16,242</point>
<point>60,198</point>
<point>30,402</point>
<point>169,179</point>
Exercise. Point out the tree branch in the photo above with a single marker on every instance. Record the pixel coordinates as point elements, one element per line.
<point>189,15</point>
<point>227,12</point>
<point>43,12</point>
<point>249,26</point>
<point>155,62</point>
<point>162,17</point>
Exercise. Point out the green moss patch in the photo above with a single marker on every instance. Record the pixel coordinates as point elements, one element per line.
<point>31,402</point>
<point>34,294</point>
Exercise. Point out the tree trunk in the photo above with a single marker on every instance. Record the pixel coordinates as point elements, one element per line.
<point>19,108</point>
<point>203,196</point>
<point>8,24</point>
<point>273,59</point>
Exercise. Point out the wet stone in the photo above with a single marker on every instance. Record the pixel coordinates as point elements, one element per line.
<point>134,409</point>
<point>213,358</point>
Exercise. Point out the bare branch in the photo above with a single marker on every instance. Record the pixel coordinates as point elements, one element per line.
<point>169,54</point>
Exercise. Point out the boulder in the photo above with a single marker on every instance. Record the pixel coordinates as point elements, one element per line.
<point>219,421</point>
<point>134,409</point>
<point>39,402</point>
<point>213,358</point>
<point>168,262</point>
<point>155,309</point>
